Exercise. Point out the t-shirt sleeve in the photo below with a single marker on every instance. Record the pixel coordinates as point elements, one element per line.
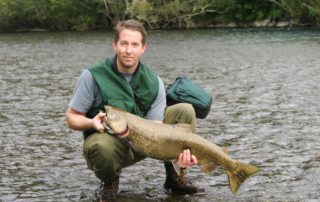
<point>84,95</point>
<point>159,105</point>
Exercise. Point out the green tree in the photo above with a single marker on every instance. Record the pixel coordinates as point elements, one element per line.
<point>307,11</point>
<point>154,14</point>
<point>157,13</point>
<point>243,10</point>
<point>17,13</point>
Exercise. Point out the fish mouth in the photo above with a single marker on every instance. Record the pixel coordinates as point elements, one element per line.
<point>110,131</point>
<point>107,128</point>
<point>114,124</point>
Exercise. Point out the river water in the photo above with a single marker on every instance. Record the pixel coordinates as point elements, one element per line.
<point>266,111</point>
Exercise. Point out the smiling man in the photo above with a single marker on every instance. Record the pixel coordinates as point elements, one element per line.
<point>124,82</point>
<point>129,48</point>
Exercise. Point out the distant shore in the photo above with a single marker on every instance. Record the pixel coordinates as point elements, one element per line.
<point>257,24</point>
<point>74,15</point>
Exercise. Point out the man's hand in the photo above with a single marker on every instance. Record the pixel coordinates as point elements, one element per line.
<point>97,122</point>
<point>78,121</point>
<point>184,160</point>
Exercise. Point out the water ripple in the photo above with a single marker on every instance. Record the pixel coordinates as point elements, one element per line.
<point>265,110</point>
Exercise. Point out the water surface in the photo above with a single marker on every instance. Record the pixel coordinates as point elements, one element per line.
<point>265,110</point>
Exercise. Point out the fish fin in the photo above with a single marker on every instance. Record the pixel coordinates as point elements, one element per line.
<point>176,167</point>
<point>183,126</point>
<point>129,144</point>
<point>225,150</point>
<point>238,176</point>
<point>207,168</point>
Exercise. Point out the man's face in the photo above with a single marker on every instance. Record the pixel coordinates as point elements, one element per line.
<point>129,49</point>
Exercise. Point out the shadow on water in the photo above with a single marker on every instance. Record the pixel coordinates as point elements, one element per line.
<point>265,110</point>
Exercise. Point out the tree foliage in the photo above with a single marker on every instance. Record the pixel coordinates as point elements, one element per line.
<point>154,14</point>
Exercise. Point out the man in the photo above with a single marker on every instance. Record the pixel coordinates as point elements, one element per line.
<point>124,82</point>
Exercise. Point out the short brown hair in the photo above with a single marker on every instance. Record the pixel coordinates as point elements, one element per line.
<point>132,25</point>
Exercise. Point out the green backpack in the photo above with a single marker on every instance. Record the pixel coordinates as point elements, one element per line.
<point>183,90</point>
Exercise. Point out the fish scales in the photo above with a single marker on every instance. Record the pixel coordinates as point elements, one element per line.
<point>166,142</point>
<point>170,141</point>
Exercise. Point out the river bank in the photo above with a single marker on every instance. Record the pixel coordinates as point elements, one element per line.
<point>74,15</point>
<point>216,23</point>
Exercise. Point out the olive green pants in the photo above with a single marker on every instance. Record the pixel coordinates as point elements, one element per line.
<point>106,155</point>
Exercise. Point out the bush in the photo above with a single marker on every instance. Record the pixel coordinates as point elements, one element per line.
<point>154,14</point>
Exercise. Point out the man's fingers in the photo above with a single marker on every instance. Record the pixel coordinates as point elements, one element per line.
<point>180,157</point>
<point>97,122</point>
<point>102,115</point>
<point>188,155</point>
<point>194,160</point>
<point>186,159</point>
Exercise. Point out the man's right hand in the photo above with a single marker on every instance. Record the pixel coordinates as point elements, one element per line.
<point>78,121</point>
<point>97,122</point>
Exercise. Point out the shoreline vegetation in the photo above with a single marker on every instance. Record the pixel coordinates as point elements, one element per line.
<point>79,15</point>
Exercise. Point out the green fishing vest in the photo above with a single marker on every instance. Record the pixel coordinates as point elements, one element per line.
<point>119,93</point>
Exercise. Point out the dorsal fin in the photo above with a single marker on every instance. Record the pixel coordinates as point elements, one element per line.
<point>225,150</point>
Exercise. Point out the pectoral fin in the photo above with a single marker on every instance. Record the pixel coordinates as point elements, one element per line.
<point>132,146</point>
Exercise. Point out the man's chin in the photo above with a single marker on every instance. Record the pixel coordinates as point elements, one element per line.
<point>128,65</point>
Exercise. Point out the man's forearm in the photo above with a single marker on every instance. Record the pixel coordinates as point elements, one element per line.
<point>78,121</point>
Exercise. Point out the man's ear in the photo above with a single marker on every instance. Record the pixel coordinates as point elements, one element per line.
<point>144,48</point>
<point>114,44</point>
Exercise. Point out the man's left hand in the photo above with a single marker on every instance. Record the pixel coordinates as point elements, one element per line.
<point>185,161</point>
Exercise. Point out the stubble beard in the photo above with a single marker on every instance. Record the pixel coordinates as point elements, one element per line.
<point>128,67</point>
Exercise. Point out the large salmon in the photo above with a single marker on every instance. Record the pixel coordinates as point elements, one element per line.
<point>166,142</point>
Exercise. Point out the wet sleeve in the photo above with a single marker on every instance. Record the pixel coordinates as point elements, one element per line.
<point>159,105</point>
<point>86,93</point>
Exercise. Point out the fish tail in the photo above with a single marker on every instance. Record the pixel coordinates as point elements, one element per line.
<point>239,175</point>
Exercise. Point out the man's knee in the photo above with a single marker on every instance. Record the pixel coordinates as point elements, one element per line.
<point>181,113</point>
<point>104,154</point>
<point>181,110</point>
<point>186,110</point>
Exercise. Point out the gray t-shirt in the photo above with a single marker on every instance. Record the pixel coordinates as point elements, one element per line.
<point>87,95</point>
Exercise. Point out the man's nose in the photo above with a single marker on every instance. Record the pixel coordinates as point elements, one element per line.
<point>129,50</point>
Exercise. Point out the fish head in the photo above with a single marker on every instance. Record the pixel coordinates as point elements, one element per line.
<point>115,122</point>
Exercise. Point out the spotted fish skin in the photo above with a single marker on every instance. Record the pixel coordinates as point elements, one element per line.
<point>166,142</point>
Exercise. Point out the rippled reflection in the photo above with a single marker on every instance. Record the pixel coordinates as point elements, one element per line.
<point>266,111</point>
